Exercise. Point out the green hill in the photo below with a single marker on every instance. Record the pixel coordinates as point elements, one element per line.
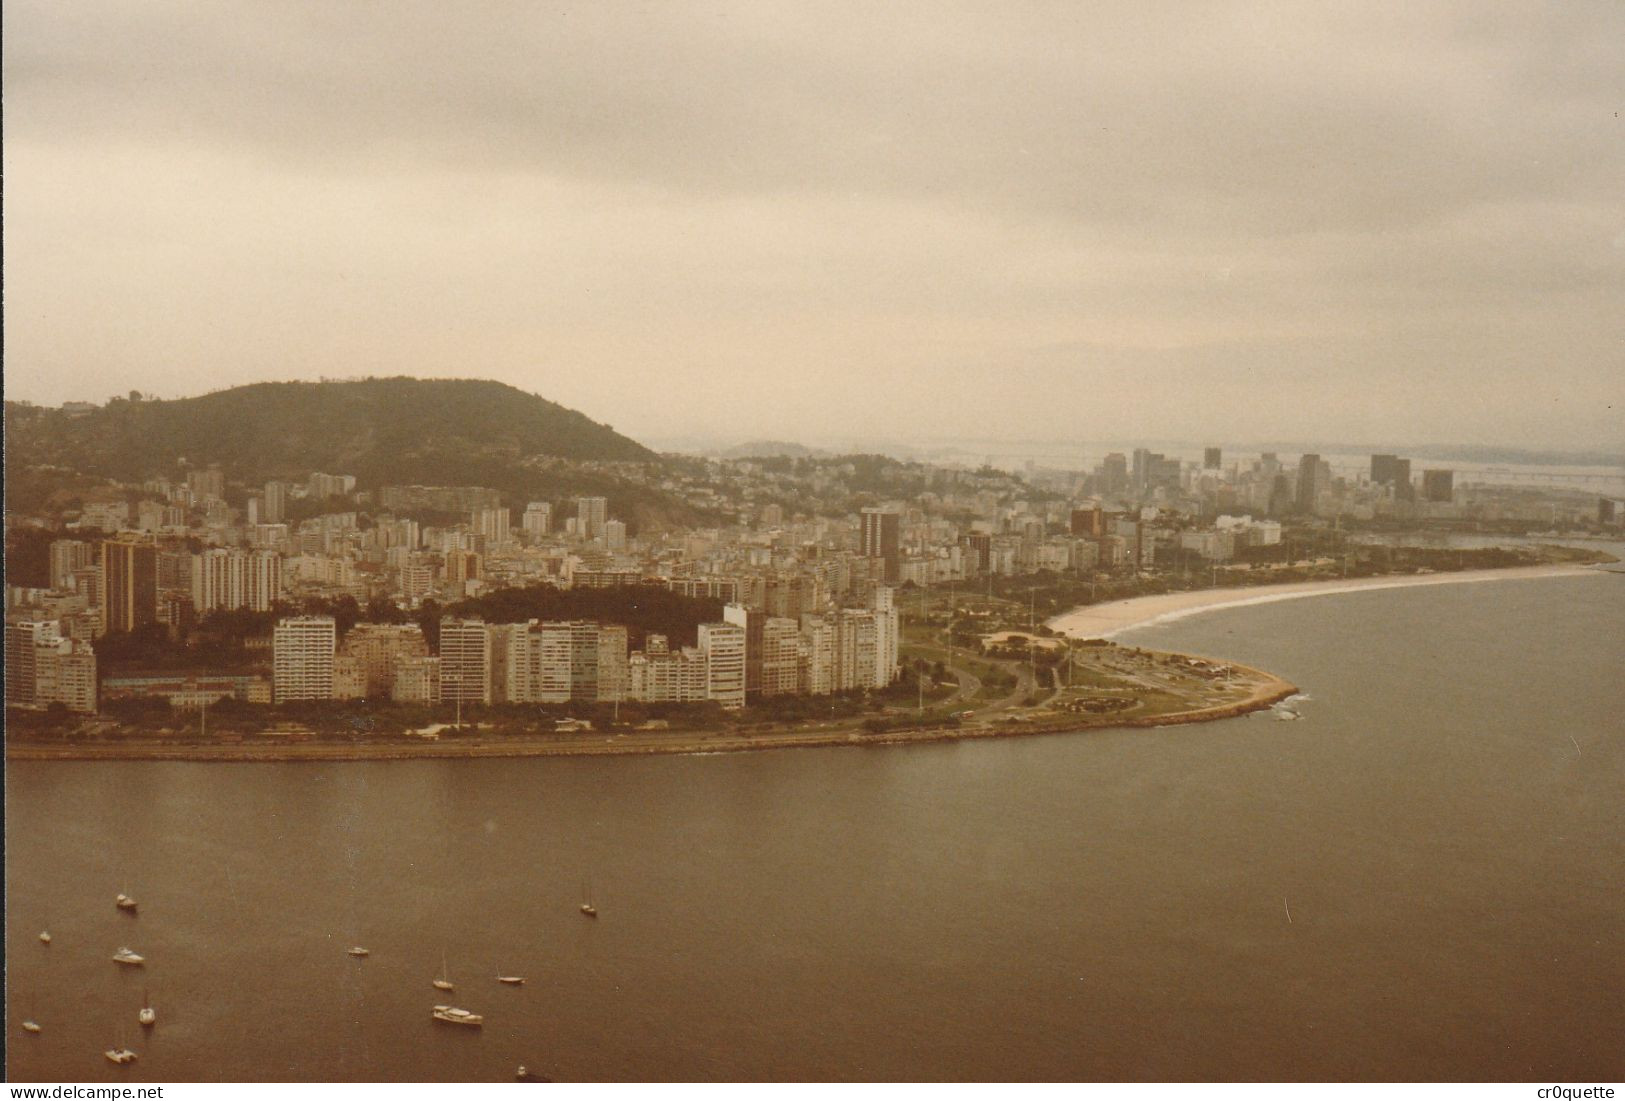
<point>385,430</point>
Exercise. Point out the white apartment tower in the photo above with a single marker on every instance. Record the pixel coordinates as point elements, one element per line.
<point>231,579</point>
<point>302,651</point>
<point>492,523</point>
<point>886,636</point>
<point>217,580</point>
<point>65,673</point>
<point>723,645</point>
<point>781,657</point>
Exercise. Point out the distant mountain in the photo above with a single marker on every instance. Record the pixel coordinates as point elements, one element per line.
<point>381,430</point>
<point>769,449</point>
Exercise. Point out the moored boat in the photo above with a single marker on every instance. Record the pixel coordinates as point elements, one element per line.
<point>45,937</point>
<point>454,1016</point>
<point>357,951</point>
<point>512,980</point>
<point>30,1026</point>
<point>125,902</point>
<point>129,958</point>
<point>120,1055</point>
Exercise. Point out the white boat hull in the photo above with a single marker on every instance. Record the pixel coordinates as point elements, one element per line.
<point>451,1015</point>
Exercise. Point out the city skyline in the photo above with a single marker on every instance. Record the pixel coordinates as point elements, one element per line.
<point>1301,223</point>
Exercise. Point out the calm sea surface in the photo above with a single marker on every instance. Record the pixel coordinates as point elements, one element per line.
<point>1424,877</point>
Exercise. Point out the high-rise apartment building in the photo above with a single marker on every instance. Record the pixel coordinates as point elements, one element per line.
<point>1308,473</point>
<point>612,663</point>
<point>68,556</point>
<point>1391,470</point>
<point>1088,522</point>
<point>1404,490</point>
<point>752,623</point>
<point>321,486</point>
<point>1114,473</point>
<point>538,519</point>
<point>465,661</point>
<point>780,671</point>
<point>227,579</point>
<point>217,580</point>
<point>887,636</point>
<point>65,673</point>
<point>129,584</point>
<point>723,645</point>
<point>21,639</point>
<point>881,538</point>
<point>491,523</point>
<point>302,653</point>
<point>592,513</point>
<point>44,668</point>
<point>276,503</point>
<point>554,662</point>
<point>817,672</point>
<point>1439,485</point>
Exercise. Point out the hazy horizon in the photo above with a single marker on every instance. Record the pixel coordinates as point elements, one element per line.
<point>763,221</point>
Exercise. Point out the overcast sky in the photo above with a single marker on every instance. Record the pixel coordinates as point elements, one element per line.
<point>1351,222</point>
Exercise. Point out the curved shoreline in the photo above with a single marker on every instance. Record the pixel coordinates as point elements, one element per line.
<point>1089,621</point>
<point>1107,620</point>
<point>1269,691</point>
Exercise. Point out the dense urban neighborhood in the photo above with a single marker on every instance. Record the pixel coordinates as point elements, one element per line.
<point>696,587</point>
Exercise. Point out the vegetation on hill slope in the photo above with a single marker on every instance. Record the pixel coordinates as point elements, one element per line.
<point>381,430</point>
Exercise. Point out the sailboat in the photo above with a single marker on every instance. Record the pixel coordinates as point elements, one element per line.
<point>444,981</point>
<point>31,1025</point>
<point>587,907</point>
<point>148,1015</point>
<point>512,980</point>
<point>45,937</point>
<point>125,902</point>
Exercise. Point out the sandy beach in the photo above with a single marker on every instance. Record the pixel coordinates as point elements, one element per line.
<point>1108,620</point>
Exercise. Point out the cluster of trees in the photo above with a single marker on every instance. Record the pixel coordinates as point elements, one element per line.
<point>644,609</point>
<point>219,639</point>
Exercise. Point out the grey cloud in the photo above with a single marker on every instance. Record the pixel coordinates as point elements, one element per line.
<point>655,194</point>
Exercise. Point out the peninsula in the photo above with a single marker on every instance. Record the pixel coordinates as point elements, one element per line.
<point>406,567</point>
